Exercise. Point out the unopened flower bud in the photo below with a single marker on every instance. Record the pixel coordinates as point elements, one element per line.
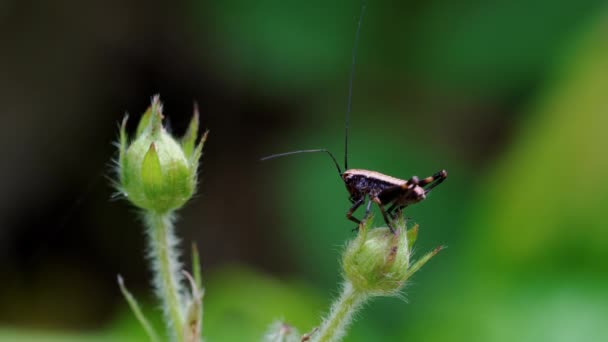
<point>377,261</point>
<point>156,172</point>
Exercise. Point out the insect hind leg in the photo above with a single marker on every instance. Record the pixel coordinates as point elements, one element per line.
<point>433,180</point>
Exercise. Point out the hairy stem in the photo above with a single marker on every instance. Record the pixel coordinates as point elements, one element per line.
<point>334,326</point>
<point>166,268</point>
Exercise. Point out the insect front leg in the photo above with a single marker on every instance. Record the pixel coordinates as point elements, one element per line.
<point>356,204</point>
<point>368,208</point>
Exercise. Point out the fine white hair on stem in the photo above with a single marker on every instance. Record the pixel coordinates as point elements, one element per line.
<point>164,256</point>
<point>333,328</point>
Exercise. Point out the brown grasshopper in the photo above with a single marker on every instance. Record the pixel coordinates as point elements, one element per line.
<point>377,187</point>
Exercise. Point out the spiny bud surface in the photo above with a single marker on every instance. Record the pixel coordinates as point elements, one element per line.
<point>156,171</point>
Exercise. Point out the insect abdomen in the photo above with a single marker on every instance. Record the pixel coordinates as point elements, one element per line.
<point>369,182</point>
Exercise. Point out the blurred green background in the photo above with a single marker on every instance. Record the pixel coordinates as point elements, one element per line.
<point>510,97</point>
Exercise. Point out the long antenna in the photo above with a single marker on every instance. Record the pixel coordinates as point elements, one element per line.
<point>350,84</point>
<point>305,151</point>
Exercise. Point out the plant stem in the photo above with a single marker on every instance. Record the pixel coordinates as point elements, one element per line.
<point>334,327</point>
<point>166,268</point>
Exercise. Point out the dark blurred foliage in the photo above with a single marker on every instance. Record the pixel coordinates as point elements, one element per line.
<point>509,97</point>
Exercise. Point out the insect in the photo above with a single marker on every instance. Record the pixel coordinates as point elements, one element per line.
<point>378,188</point>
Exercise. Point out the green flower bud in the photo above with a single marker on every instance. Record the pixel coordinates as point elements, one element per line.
<point>377,261</point>
<point>156,172</point>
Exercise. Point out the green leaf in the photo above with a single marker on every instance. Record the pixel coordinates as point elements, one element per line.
<point>196,267</point>
<point>137,311</point>
<point>250,300</point>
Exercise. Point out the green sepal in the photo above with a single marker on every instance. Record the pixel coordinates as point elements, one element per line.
<point>143,122</point>
<point>420,262</point>
<point>151,121</point>
<point>189,138</point>
<point>197,153</point>
<point>194,311</point>
<point>412,236</point>
<point>151,173</point>
<point>122,146</point>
